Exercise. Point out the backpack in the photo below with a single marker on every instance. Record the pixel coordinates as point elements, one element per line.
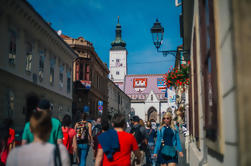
<point>66,138</point>
<point>137,134</point>
<point>82,131</point>
<point>96,130</point>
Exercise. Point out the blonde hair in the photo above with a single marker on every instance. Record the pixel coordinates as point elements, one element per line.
<point>171,124</point>
<point>141,122</point>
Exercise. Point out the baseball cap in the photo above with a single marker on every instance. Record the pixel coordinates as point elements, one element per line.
<point>44,104</point>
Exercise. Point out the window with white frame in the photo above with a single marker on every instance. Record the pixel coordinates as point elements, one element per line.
<point>12,47</point>
<point>117,72</point>
<point>28,50</point>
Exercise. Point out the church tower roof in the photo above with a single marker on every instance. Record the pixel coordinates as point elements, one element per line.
<point>118,43</point>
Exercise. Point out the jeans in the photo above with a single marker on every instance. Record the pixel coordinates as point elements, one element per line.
<point>149,154</point>
<point>82,153</point>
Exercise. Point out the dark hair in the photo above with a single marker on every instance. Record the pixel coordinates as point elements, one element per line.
<point>66,121</point>
<point>40,124</point>
<point>118,120</point>
<point>104,123</point>
<point>83,116</point>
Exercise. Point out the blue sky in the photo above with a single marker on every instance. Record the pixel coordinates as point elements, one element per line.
<point>95,20</point>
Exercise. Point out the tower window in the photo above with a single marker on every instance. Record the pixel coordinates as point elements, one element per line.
<point>117,72</point>
<point>117,60</point>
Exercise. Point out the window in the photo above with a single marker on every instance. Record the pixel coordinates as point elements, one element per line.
<point>117,60</point>
<point>41,64</point>
<point>69,81</point>
<point>28,56</point>
<point>52,66</point>
<point>81,71</point>
<point>209,64</point>
<point>77,71</point>
<point>151,97</point>
<point>87,72</point>
<point>117,72</point>
<point>61,75</point>
<point>12,47</point>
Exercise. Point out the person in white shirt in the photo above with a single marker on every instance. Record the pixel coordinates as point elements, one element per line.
<point>39,152</point>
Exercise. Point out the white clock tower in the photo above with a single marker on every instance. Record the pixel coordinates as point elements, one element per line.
<point>118,59</point>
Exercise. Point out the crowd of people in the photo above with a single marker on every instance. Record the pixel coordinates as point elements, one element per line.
<point>47,141</point>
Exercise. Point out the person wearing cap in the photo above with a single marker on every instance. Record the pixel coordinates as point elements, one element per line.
<point>140,134</point>
<point>56,134</point>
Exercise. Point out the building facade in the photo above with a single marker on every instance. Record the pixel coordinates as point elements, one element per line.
<point>149,98</point>
<point>35,63</point>
<point>90,78</point>
<point>118,101</point>
<point>217,33</point>
<point>118,59</point>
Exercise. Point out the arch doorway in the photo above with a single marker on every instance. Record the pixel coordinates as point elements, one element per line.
<point>152,114</point>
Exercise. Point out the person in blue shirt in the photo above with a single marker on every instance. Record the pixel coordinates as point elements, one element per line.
<point>168,135</point>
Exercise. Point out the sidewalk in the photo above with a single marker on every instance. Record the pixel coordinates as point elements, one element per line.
<point>182,161</point>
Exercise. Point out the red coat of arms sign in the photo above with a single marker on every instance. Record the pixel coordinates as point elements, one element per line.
<point>139,84</point>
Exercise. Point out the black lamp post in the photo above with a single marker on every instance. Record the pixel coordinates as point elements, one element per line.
<point>157,34</point>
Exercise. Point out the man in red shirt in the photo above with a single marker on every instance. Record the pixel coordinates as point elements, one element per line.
<point>127,144</point>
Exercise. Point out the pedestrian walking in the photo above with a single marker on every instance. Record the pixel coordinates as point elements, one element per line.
<point>7,140</point>
<point>39,152</point>
<point>69,138</point>
<point>168,142</point>
<point>104,127</point>
<point>116,145</point>
<point>83,129</point>
<point>139,133</point>
<point>151,134</point>
<point>56,134</point>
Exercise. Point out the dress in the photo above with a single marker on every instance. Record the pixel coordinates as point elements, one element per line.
<point>168,135</point>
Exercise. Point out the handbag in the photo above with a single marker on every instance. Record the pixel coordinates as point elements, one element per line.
<point>167,150</point>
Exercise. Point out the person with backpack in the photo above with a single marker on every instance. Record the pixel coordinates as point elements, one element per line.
<point>39,152</point>
<point>168,145</point>
<point>139,133</point>
<point>83,129</point>
<point>101,126</point>
<point>69,138</point>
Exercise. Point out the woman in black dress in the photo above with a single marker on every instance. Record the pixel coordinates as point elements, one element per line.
<point>168,135</point>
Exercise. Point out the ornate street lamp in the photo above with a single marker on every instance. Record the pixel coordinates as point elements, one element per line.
<point>157,34</point>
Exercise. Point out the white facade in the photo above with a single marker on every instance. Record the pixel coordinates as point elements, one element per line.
<point>118,65</point>
<point>142,108</point>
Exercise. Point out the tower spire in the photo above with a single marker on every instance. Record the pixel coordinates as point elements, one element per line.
<point>118,43</point>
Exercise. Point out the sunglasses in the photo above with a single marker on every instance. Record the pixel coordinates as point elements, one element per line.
<point>166,118</point>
